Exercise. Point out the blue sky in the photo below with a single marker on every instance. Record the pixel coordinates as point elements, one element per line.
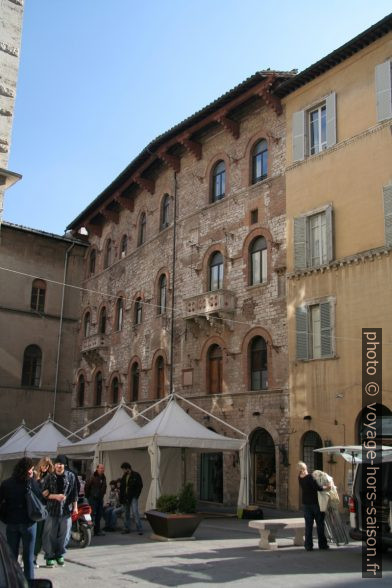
<point>99,79</point>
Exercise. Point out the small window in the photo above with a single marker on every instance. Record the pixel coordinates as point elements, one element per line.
<point>81,390</point>
<point>98,389</point>
<point>258,261</point>
<point>259,161</point>
<point>135,378</point>
<point>119,314</point>
<point>216,272</point>
<point>314,331</point>
<point>258,364</point>
<point>160,377</point>
<point>115,390</point>
<point>102,321</point>
<point>92,262</point>
<point>218,181</point>
<point>313,459</point>
<point>313,239</point>
<point>215,371</point>
<point>108,254</point>
<point>165,210</point>
<point>31,371</point>
<point>317,129</point>
<point>38,293</point>
<point>314,130</point>
<point>142,229</point>
<point>86,325</point>
<point>254,216</point>
<point>138,311</point>
<point>162,294</point>
<point>123,246</point>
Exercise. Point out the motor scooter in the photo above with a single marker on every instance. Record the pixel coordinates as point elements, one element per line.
<point>82,525</point>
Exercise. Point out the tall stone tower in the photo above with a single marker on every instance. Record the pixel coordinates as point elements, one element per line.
<point>11,15</point>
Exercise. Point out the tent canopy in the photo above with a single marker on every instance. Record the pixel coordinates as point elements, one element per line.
<point>16,443</point>
<point>44,442</point>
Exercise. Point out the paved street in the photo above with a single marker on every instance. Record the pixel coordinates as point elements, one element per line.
<point>225,553</point>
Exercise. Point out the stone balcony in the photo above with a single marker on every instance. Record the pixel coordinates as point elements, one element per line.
<point>220,303</point>
<point>94,343</point>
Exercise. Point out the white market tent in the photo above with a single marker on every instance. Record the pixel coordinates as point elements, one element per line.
<point>17,440</point>
<point>164,437</point>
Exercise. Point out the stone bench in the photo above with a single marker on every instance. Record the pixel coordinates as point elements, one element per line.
<point>269,528</point>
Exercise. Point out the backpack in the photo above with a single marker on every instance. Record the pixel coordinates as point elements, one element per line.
<point>35,507</point>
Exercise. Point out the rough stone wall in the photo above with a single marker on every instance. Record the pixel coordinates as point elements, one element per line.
<point>202,227</point>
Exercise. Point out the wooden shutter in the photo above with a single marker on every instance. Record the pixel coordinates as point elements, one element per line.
<point>300,242</point>
<point>329,232</point>
<point>384,90</point>
<point>388,214</point>
<point>298,135</point>
<point>325,326</point>
<point>330,104</point>
<point>302,335</point>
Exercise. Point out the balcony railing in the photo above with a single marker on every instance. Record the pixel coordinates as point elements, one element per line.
<point>219,303</point>
<point>94,342</point>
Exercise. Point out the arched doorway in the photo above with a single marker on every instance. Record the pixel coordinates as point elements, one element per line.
<point>311,441</point>
<point>262,450</point>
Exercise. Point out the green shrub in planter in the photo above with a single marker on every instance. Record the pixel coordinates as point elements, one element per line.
<point>167,503</point>
<point>187,499</point>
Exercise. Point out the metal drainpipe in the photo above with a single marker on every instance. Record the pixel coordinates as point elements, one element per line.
<point>173,284</point>
<point>60,329</point>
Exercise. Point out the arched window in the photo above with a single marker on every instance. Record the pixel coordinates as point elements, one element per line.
<point>142,229</point>
<point>165,209</point>
<point>216,271</point>
<point>81,388</point>
<point>115,389</point>
<point>119,314</point>
<point>258,364</point>
<point>31,371</point>
<point>38,293</point>
<point>218,181</point>
<point>311,441</point>
<point>215,372</point>
<point>258,261</point>
<point>135,380</point>
<point>259,161</point>
<point>160,377</point>
<point>123,246</point>
<point>98,389</point>
<point>86,324</point>
<point>92,262</point>
<point>162,294</point>
<point>108,254</point>
<point>262,453</point>
<point>138,311</point>
<point>102,321</point>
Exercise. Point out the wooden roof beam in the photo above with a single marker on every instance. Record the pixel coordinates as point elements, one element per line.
<point>229,125</point>
<point>171,160</point>
<point>110,215</point>
<point>94,229</point>
<point>193,147</point>
<point>126,203</point>
<point>144,183</point>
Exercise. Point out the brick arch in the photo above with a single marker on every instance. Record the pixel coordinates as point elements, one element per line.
<point>221,156</point>
<point>120,294</point>
<point>88,257</point>
<point>162,271</point>
<point>86,310</point>
<point>87,381</point>
<point>138,294</point>
<point>257,332</point>
<point>114,374</point>
<point>134,359</point>
<point>94,373</point>
<point>142,211</point>
<point>213,340</point>
<point>261,133</point>
<point>257,232</point>
<point>215,247</point>
<point>158,353</point>
<point>104,304</point>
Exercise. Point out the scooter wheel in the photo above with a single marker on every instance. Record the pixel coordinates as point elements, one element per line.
<point>85,537</point>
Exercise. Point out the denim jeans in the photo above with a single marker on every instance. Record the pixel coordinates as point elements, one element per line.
<point>97,508</point>
<point>312,513</point>
<point>27,533</point>
<point>134,508</point>
<point>110,515</point>
<point>54,538</point>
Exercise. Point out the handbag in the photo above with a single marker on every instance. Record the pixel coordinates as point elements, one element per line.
<point>36,509</point>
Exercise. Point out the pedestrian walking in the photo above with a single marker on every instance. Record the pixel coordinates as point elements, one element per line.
<point>311,507</point>
<point>95,490</point>
<point>43,468</point>
<point>61,493</point>
<point>130,489</point>
<point>19,527</point>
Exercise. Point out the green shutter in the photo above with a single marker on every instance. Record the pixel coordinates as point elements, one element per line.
<point>300,242</point>
<point>302,335</point>
<point>326,330</point>
<point>330,104</point>
<point>298,136</point>
<point>388,214</point>
<point>329,232</point>
<point>383,90</point>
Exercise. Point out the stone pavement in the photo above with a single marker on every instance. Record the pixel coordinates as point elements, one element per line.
<point>225,553</point>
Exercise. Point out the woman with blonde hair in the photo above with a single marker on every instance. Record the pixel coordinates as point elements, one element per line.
<point>42,469</point>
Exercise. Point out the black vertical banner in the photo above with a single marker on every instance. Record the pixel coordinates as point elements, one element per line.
<point>371,471</point>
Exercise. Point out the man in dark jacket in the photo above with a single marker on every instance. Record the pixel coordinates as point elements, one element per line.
<point>311,508</point>
<point>95,490</point>
<point>130,488</point>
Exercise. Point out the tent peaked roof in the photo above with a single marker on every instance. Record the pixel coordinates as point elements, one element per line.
<point>45,441</point>
<point>120,426</point>
<point>16,443</point>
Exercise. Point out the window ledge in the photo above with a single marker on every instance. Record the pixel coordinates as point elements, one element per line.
<point>257,286</point>
<point>311,360</point>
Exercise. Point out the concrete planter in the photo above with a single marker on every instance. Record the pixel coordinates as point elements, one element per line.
<point>172,526</point>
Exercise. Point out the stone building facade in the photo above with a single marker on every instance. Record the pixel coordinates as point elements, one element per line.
<point>39,320</point>
<point>184,286</point>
